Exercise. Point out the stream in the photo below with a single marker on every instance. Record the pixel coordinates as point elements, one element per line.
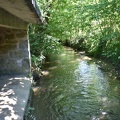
<point>76,87</point>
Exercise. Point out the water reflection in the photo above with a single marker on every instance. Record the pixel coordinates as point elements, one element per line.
<point>76,89</point>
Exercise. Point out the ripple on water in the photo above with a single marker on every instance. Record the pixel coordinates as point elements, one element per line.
<point>77,90</point>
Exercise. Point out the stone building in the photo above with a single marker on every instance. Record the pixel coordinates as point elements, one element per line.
<point>15,15</point>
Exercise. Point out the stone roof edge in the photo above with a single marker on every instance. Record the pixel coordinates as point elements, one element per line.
<point>34,7</point>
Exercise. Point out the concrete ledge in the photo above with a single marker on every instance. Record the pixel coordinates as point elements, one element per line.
<point>25,10</point>
<point>14,94</point>
<point>10,21</point>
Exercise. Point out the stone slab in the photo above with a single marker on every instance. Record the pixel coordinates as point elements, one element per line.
<point>14,94</point>
<point>19,13</point>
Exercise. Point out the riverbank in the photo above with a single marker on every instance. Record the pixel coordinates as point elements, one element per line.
<point>106,64</point>
<point>14,96</point>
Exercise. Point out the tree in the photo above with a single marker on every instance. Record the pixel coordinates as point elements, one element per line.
<point>92,25</point>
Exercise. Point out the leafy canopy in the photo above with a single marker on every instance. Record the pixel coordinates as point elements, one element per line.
<point>92,25</point>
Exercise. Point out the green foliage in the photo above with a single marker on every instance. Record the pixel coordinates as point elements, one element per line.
<point>103,36</point>
<point>96,21</point>
<point>90,25</point>
<point>41,44</point>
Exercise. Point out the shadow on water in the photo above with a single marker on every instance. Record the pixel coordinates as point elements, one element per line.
<point>75,87</point>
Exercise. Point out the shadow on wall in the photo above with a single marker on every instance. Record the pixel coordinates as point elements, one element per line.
<point>14,94</point>
<point>14,52</point>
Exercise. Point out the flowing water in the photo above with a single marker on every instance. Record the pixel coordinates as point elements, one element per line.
<point>75,87</point>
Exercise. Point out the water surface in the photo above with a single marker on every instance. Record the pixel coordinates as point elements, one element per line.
<point>76,88</point>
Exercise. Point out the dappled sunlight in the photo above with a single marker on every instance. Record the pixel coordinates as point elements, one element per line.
<point>82,57</point>
<point>63,54</point>
<point>78,59</point>
<point>102,116</point>
<point>14,93</point>
<point>73,61</point>
<point>7,100</point>
<point>52,68</point>
<point>36,90</point>
<point>104,99</point>
<point>6,93</point>
<point>86,58</point>
<point>45,73</point>
<point>10,114</point>
<point>82,52</point>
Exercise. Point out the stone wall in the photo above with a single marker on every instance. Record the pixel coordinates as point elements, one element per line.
<point>14,52</point>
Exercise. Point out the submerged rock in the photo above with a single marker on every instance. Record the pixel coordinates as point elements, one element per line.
<point>37,76</point>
